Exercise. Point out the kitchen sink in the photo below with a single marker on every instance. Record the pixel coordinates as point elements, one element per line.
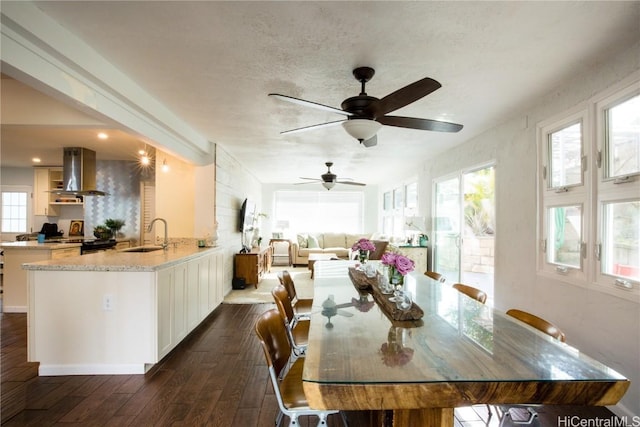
<point>142,249</point>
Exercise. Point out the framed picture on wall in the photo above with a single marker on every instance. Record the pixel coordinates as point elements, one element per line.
<point>397,198</point>
<point>76,228</point>
<point>411,195</point>
<point>387,201</point>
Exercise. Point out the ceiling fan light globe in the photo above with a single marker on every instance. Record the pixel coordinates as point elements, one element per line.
<point>361,129</point>
<point>328,185</point>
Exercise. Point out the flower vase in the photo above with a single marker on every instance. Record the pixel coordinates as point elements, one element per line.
<point>363,256</point>
<point>395,278</point>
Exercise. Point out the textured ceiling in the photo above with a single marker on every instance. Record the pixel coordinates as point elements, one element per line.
<point>213,64</point>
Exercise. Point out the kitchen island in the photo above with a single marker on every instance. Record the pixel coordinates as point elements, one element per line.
<point>14,293</point>
<point>118,312</point>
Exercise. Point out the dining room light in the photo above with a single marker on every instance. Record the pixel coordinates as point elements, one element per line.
<point>361,129</point>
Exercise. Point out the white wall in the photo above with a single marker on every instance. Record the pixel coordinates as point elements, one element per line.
<point>604,327</point>
<point>205,203</point>
<point>234,183</point>
<point>175,196</point>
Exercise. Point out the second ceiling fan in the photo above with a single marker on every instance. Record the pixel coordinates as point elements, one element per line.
<point>366,114</point>
<point>330,179</point>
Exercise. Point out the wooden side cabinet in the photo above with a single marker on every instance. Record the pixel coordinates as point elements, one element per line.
<point>252,266</point>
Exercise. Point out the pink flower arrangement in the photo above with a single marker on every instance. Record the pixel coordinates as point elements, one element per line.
<point>401,263</point>
<point>363,245</point>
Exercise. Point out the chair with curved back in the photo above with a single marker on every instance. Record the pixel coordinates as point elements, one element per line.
<point>286,380</point>
<point>301,306</point>
<point>471,292</point>
<point>525,414</point>
<point>538,323</point>
<point>435,276</point>
<point>474,293</point>
<point>297,329</point>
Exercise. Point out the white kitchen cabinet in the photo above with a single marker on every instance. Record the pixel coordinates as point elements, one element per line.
<point>131,318</point>
<point>203,287</point>
<point>216,281</point>
<point>192,294</point>
<point>165,285</point>
<point>184,298</point>
<point>41,193</point>
<point>45,202</point>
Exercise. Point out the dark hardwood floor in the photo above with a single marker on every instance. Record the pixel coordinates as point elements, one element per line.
<point>216,377</point>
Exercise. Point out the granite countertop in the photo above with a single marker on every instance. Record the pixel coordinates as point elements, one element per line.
<point>121,260</point>
<point>34,245</point>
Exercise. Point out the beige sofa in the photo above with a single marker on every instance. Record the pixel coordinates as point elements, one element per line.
<point>318,243</point>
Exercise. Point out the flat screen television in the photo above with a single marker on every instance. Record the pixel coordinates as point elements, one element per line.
<point>245,220</point>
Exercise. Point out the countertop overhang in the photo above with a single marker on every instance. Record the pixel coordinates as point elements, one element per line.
<point>121,261</point>
<point>34,245</point>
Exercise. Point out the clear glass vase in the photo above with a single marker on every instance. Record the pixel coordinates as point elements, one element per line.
<point>395,278</point>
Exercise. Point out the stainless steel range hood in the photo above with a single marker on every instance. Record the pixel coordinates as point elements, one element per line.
<point>79,172</point>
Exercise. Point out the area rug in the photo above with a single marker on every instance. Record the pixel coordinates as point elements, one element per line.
<point>250,295</point>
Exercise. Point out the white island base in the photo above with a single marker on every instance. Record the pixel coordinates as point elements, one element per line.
<point>91,322</point>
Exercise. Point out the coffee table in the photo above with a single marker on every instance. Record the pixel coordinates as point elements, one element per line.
<point>320,257</point>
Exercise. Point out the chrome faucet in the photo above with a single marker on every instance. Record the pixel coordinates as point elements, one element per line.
<point>165,242</point>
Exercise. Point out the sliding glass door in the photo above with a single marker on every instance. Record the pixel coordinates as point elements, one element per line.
<point>464,228</point>
<point>446,226</point>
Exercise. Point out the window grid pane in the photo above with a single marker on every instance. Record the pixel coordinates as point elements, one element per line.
<point>14,212</point>
<point>621,239</point>
<point>622,138</point>
<point>565,156</point>
<point>564,238</point>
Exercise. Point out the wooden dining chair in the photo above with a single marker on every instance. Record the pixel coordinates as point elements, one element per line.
<point>471,292</point>
<point>538,323</point>
<point>526,414</point>
<point>297,328</point>
<point>301,306</point>
<point>286,378</point>
<point>435,276</point>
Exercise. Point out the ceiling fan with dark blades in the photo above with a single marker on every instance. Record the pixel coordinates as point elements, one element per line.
<point>330,179</point>
<point>366,114</point>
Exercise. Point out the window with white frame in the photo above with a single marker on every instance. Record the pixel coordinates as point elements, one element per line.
<point>321,211</point>
<point>590,193</point>
<point>618,189</point>
<point>563,143</point>
<point>14,211</point>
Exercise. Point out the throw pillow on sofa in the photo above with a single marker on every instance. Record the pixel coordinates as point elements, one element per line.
<point>302,240</point>
<point>312,242</point>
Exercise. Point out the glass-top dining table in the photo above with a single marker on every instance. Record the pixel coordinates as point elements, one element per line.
<point>459,353</point>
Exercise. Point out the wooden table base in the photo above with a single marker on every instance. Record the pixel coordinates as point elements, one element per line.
<point>431,417</point>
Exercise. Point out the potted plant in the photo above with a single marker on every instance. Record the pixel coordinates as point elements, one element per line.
<point>102,232</point>
<point>114,225</point>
